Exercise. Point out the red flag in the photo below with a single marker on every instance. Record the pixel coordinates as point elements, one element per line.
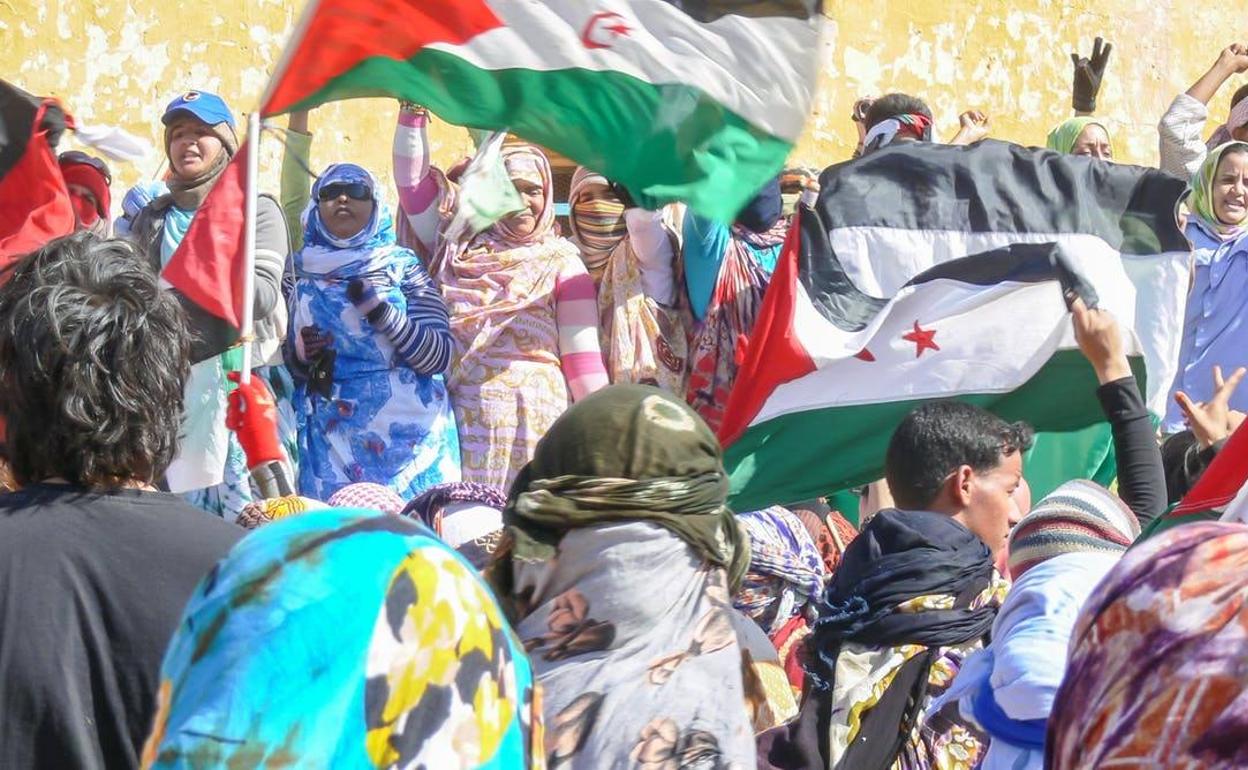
<point>34,202</point>
<point>208,267</point>
<point>1220,482</point>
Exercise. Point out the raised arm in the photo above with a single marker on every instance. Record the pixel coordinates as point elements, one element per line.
<point>296,183</point>
<point>419,193</point>
<point>655,249</point>
<point>1181,130</point>
<point>1141,477</point>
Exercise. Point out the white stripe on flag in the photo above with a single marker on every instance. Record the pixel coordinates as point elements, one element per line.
<point>762,69</point>
<point>879,260</point>
<point>992,339</point>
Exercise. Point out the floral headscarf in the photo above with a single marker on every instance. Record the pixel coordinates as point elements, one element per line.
<point>1155,673</point>
<point>349,640</point>
<point>1201,200</point>
<point>528,163</point>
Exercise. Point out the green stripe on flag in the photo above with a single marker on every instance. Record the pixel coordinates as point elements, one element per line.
<point>664,142</point>
<point>813,452</point>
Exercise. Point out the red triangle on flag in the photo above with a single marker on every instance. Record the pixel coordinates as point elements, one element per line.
<point>209,266</point>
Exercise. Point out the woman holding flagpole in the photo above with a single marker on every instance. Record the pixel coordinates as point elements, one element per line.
<point>200,141</point>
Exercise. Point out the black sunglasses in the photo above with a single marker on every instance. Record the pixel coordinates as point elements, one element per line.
<point>356,191</point>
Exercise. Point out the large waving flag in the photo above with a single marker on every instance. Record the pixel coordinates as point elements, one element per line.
<point>693,100</point>
<point>920,274</point>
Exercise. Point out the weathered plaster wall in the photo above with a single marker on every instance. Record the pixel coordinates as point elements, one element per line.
<point>119,62</point>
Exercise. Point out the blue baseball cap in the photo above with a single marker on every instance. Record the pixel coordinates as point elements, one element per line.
<point>204,105</point>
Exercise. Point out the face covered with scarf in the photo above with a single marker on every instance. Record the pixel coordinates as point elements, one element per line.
<point>1081,136</point>
<point>1220,191</point>
<point>1155,674</point>
<point>345,211</point>
<point>87,179</point>
<point>529,171</point>
<point>397,643</point>
<point>597,218</point>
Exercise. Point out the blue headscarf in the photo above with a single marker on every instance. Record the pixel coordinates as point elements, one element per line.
<point>344,639</point>
<point>377,233</point>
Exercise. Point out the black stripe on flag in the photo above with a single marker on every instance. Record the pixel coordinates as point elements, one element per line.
<point>998,187</point>
<point>17,121</point>
<point>710,10</point>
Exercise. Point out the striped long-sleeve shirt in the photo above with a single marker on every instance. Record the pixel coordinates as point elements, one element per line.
<point>421,336</point>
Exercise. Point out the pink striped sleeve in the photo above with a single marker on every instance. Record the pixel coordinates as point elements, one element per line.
<point>576,313</point>
<point>418,189</point>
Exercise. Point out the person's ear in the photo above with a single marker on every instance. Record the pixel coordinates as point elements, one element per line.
<point>960,483</point>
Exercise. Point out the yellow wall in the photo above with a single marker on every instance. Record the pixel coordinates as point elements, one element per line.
<point>118,62</point>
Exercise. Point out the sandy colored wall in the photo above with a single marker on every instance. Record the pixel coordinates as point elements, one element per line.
<point>119,62</point>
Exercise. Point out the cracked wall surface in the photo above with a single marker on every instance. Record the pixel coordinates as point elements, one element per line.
<point>119,62</point>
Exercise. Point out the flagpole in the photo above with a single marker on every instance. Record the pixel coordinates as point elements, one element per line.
<point>249,244</point>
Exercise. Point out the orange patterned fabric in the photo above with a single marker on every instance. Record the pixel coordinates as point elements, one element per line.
<point>1156,670</point>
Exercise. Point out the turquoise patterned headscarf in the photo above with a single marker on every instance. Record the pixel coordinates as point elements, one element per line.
<point>1201,200</point>
<point>344,639</point>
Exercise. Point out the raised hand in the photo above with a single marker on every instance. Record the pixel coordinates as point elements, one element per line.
<point>1213,420</point>
<point>1088,74</point>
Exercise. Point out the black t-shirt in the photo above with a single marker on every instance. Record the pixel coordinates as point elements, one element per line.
<point>92,586</point>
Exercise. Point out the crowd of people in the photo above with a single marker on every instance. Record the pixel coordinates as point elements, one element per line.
<point>468,509</point>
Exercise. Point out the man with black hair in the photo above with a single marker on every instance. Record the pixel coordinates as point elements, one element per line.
<point>95,564</point>
<point>897,117</point>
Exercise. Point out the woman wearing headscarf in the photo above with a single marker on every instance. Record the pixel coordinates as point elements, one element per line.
<point>199,142</point>
<point>727,270</point>
<point>1084,135</point>
<point>1214,329</point>
<point>524,315</point>
<point>371,332</point>
<point>87,179</point>
<point>617,567</point>
<point>344,639</point>
<point>467,516</point>
<point>643,319</point>
<point>1155,674</point>
<point>1058,554</point>
<point>1182,129</point>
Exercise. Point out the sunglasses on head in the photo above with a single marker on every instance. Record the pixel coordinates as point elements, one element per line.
<point>356,191</point>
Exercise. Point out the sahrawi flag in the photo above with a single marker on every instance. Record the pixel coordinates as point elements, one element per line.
<point>693,100</point>
<point>925,272</point>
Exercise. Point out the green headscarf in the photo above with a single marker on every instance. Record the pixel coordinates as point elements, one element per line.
<point>625,453</point>
<point>1063,137</point>
<point>1201,200</point>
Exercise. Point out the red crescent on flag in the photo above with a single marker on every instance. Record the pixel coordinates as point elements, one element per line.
<point>602,29</point>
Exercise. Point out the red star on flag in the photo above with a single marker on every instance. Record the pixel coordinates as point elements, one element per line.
<point>923,339</point>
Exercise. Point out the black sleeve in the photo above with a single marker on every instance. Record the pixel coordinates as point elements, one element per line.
<point>1141,478</point>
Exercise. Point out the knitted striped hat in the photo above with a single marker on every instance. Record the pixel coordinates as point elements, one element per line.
<point>1078,516</point>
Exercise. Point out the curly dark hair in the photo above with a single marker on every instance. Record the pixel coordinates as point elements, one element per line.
<point>892,105</point>
<point>94,355</point>
<point>937,438</point>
